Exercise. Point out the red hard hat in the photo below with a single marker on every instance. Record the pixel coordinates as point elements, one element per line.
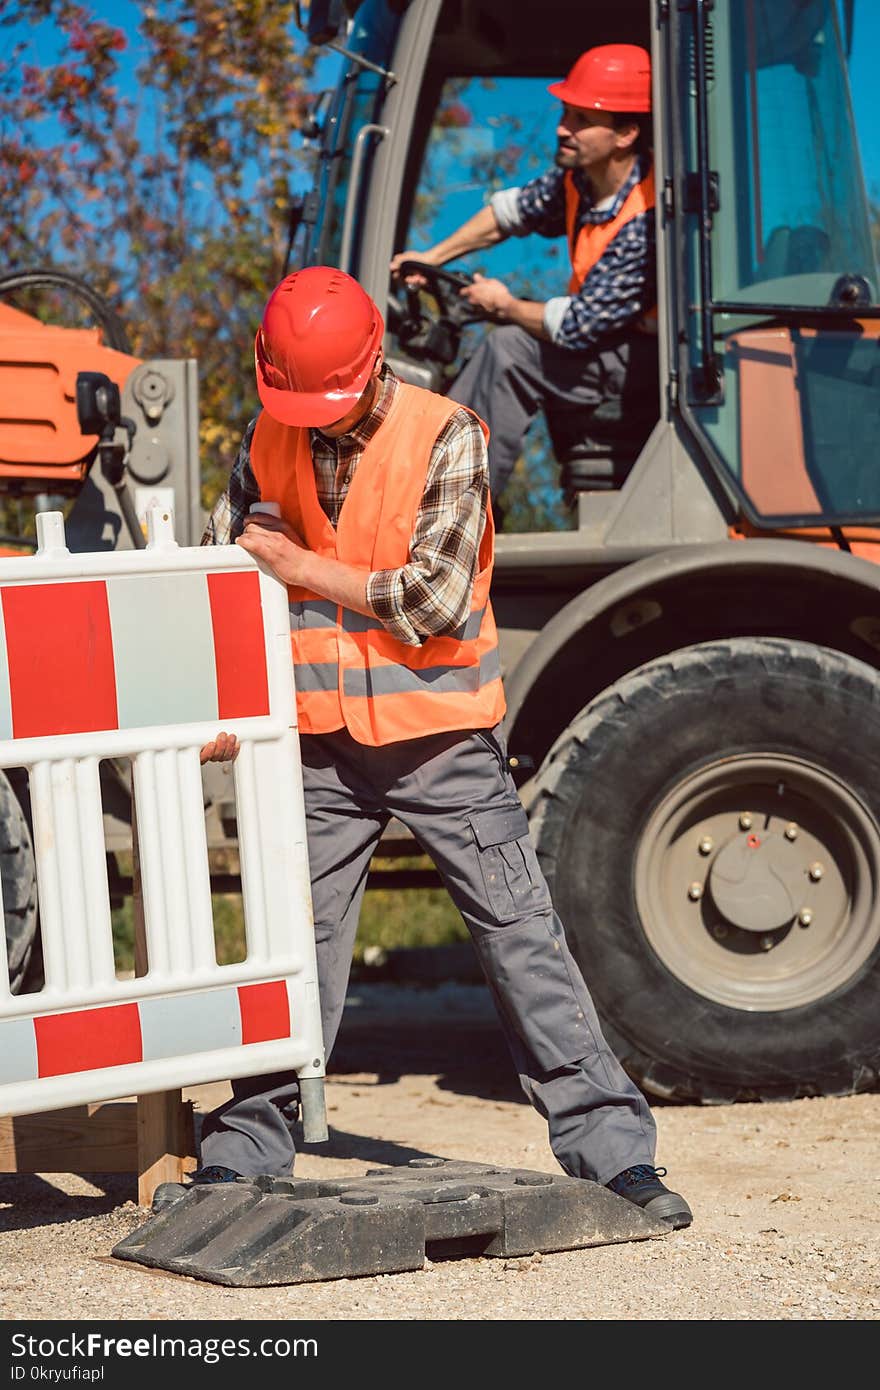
<point>316,346</point>
<point>615,77</point>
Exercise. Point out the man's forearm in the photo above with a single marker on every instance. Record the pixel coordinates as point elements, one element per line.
<point>333,579</point>
<point>476,234</point>
<point>527,314</point>
<point>274,542</point>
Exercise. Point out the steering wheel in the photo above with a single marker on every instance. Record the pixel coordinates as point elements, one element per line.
<point>435,336</point>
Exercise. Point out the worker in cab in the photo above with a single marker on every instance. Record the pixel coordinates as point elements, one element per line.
<point>596,341</point>
<point>385,542</point>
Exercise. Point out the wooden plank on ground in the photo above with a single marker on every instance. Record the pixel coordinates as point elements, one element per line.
<point>152,1138</point>
<point>165,1141</point>
<point>99,1138</point>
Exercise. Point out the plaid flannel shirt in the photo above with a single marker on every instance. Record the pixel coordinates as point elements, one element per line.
<point>622,285</point>
<point>431,594</point>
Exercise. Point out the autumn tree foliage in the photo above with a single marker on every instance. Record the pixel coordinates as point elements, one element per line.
<point>159,166</point>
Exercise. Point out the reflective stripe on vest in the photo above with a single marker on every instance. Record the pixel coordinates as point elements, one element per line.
<point>349,670</point>
<point>363,683</point>
<point>317,612</point>
<point>317,675</point>
<point>321,613</point>
<point>434,680</point>
<point>594,238</point>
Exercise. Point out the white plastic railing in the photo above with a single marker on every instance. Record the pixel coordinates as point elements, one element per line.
<point>146,655</point>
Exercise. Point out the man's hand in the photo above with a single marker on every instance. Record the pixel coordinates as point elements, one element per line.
<point>489,295</point>
<point>415,280</point>
<point>274,541</point>
<point>222,749</point>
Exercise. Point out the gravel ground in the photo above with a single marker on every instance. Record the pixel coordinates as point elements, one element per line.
<point>787,1221</point>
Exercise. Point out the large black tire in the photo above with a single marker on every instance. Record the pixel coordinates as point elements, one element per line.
<point>733,758</point>
<point>19,879</point>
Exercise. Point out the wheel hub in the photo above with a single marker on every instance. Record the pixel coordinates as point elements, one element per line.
<point>755,880</point>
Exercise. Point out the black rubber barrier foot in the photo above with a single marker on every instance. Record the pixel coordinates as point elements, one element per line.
<point>259,1231</point>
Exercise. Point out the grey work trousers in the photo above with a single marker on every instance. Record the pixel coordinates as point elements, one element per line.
<point>512,375</point>
<point>456,795</point>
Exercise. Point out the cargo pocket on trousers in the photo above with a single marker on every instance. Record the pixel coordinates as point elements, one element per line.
<point>541,991</point>
<point>508,864</point>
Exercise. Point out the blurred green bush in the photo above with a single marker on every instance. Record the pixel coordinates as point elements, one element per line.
<point>390,918</point>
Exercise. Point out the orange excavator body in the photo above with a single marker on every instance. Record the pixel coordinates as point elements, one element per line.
<point>41,446</point>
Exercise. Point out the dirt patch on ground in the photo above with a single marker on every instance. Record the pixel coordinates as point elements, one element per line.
<point>787,1222</point>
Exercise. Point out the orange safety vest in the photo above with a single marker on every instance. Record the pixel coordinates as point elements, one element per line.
<point>350,672</point>
<point>594,238</point>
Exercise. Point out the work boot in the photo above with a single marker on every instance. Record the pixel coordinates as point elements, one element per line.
<point>167,1193</point>
<point>642,1186</point>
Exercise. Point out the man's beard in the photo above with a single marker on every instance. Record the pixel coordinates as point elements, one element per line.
<point>564,157</point>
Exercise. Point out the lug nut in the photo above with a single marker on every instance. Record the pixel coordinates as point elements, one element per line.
<point>695,892</point>
<point>791,831</point>
<point>767,943</point>
<point>805,917</point>
<point>745,821</point>
<point>816,872</point>
<point>707,844</point>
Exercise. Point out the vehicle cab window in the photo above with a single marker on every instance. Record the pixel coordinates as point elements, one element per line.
<point>790,234</point>
<point>481,135</point>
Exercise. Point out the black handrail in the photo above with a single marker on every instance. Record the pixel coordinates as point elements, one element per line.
<point>796,313</point>
<point>709,369</point>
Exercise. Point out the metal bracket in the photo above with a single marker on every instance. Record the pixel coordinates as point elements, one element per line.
<point>692,192</point>
<point>706,382</point>
<point>390,77</point>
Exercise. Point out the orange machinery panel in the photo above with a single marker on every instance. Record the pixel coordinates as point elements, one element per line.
<point>39,433</point>
<point>771,438</point>
<point>774,471</point>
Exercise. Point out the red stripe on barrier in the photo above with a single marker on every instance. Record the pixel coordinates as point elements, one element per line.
<point>61,674</point>
<point>265,1012</point>
<point>239,645</point>
<point>88,1039</point>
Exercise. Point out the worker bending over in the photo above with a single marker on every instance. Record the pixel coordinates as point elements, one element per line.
<point>385,541</point>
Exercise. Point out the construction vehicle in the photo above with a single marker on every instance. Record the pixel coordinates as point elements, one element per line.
<point>691,672</point>
<point>692,667</point>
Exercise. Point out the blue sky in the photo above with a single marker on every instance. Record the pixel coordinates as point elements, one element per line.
<point>863,82</point>
<point>863,76</point>
<point>126,15</point>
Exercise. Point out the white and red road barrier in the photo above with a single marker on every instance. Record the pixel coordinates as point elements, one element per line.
<point>147,655</point>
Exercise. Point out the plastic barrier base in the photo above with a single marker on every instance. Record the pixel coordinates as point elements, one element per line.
<point>262,1231</point>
